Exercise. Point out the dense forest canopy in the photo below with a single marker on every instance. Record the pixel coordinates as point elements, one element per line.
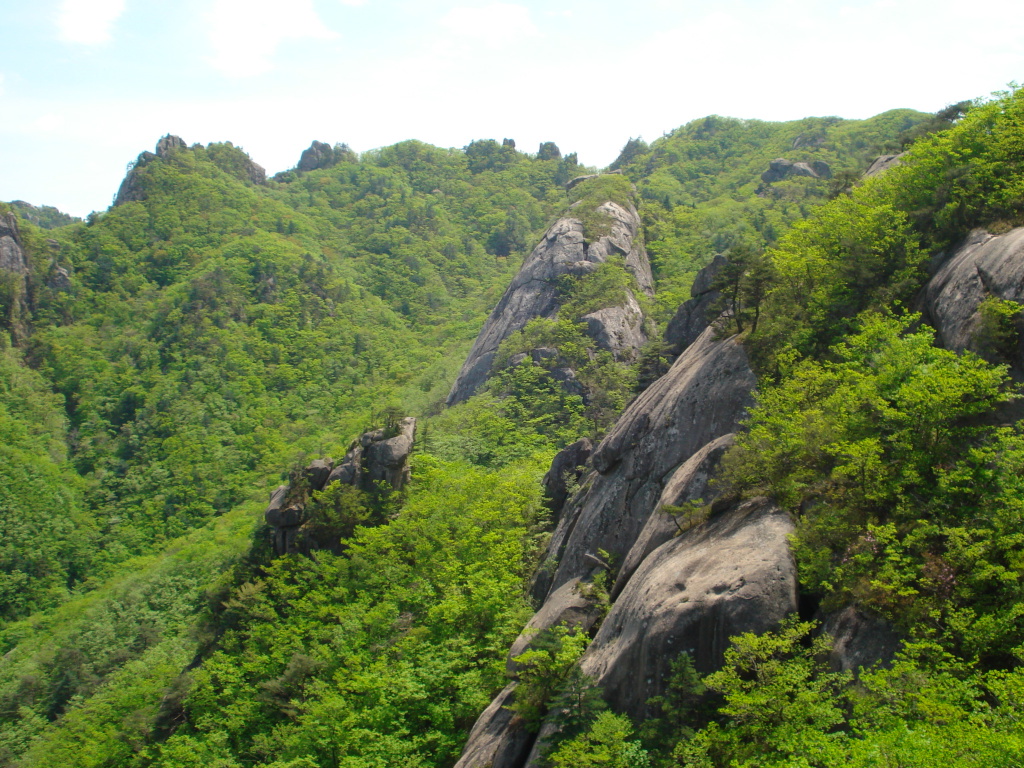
<point>166,363</point>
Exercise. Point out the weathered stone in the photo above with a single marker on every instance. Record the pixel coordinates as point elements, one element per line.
<point>387,460</point>
<point>281,514</point>
<point>984,265</point>
<point>566,469</point>
<point>883,163</point>
<point>499,738</point>
<point>859,640</point>
<point>701,398</point>
<point>168,144</point>
<point>567,380</point>
<point>12,255</point>
<point>317,473</point>
<point>695,315</point>
<point>732,574</point>
<point>619,330</point>
<point>60,280</point>
<point>690,482</point>
<point>781,168</point>
<point>349,469</point>
<point>534,291</point>
<point>319,155</point>
<point>580,179</point>
<point>566,606</point>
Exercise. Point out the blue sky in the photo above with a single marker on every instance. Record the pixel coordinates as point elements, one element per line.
<point>85,85</point>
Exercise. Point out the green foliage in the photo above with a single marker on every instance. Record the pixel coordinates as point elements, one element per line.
<point>605,744</point>
<point>610,285</point>
<point>544,670</point>
<point>587,197</point>
<point>997,337</point>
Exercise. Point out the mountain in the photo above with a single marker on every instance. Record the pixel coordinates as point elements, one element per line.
<point>633,470</point>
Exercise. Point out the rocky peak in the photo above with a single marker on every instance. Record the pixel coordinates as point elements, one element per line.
<point>168,144</point>
<point>533,293</point>
<point>319,155</point>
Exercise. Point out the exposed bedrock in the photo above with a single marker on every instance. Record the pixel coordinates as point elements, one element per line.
<point>534,292</point>
<point>694,316</point>
<point>781,168</point>
<point>12,255</point>
<point>883,163</point>
<point>702,397</point>
<point>499,738</point>
<point>859,639</point>
<point>730,575</point>
<point>984,265</point>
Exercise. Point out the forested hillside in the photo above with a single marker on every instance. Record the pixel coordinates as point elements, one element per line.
<point>167,363</point>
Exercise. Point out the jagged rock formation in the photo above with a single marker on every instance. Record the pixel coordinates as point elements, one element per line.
<point>695,315</point>
<point>883,163</point>
<point>780,168</point>
<point>319,155</point>
<point>378,462</point>
<point>984,265</point>
<point>15,272</point>
<point>12,254</point>
<point>534,291</point>
<point>132,189</point>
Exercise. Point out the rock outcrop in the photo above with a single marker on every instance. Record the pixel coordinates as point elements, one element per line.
<point>378,462</point>
<point>859,640</point>
<point>534,292</point>
<point>694,316</point>
<point>780,168</point>
<point>319,155</point>
<point>132,189</point>
<point>883,163</point>
<point>702,397</point>
<point>984,265</point>
<point>567,468</point>
<point>730,575</point>
<point>12,254</point>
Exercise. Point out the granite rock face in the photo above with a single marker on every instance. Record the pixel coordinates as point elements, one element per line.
<point>534,292</point>
<point>690,483</point>
<point>694,316</point>
<point>883,163</point>
<point>499,738</point>
<point>780,169</point>
<point>12,254</point>
<point>567,468</point>
<point>619,330</point>
<point>702,397</point>
<point>984,265</point>
<point>732,574</point>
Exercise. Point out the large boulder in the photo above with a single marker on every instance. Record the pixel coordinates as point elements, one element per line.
<point>781,168</point>
<point>702,397</point>
<point>733,574</point>
<point>984,265</point>
<point>534,291</point>
<point>319,155</point>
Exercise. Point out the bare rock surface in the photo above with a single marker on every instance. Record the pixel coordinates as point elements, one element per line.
<point>499,738</point>
<point>780,168</point>
<point>12,255</point>
<point>319,155</point>
<point>859,639</point>
<point>694,316</point>
<point>984,265</point>
<point>619,330</point>
<point>883,163</point>
<point>534,290</point>
<point>691,482</point>
<point>566,469</point>
<point>702,397</point>
<point>568,606</point>
<point>733,574</point>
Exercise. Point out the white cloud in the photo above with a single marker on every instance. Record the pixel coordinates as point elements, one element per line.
<point>497,23</point>
<point>1,83</point>
<point>353,3</point>
<point>87,21</point>
<point>245,34</point>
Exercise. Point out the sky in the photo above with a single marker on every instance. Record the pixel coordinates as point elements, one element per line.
<point>86,85</point>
